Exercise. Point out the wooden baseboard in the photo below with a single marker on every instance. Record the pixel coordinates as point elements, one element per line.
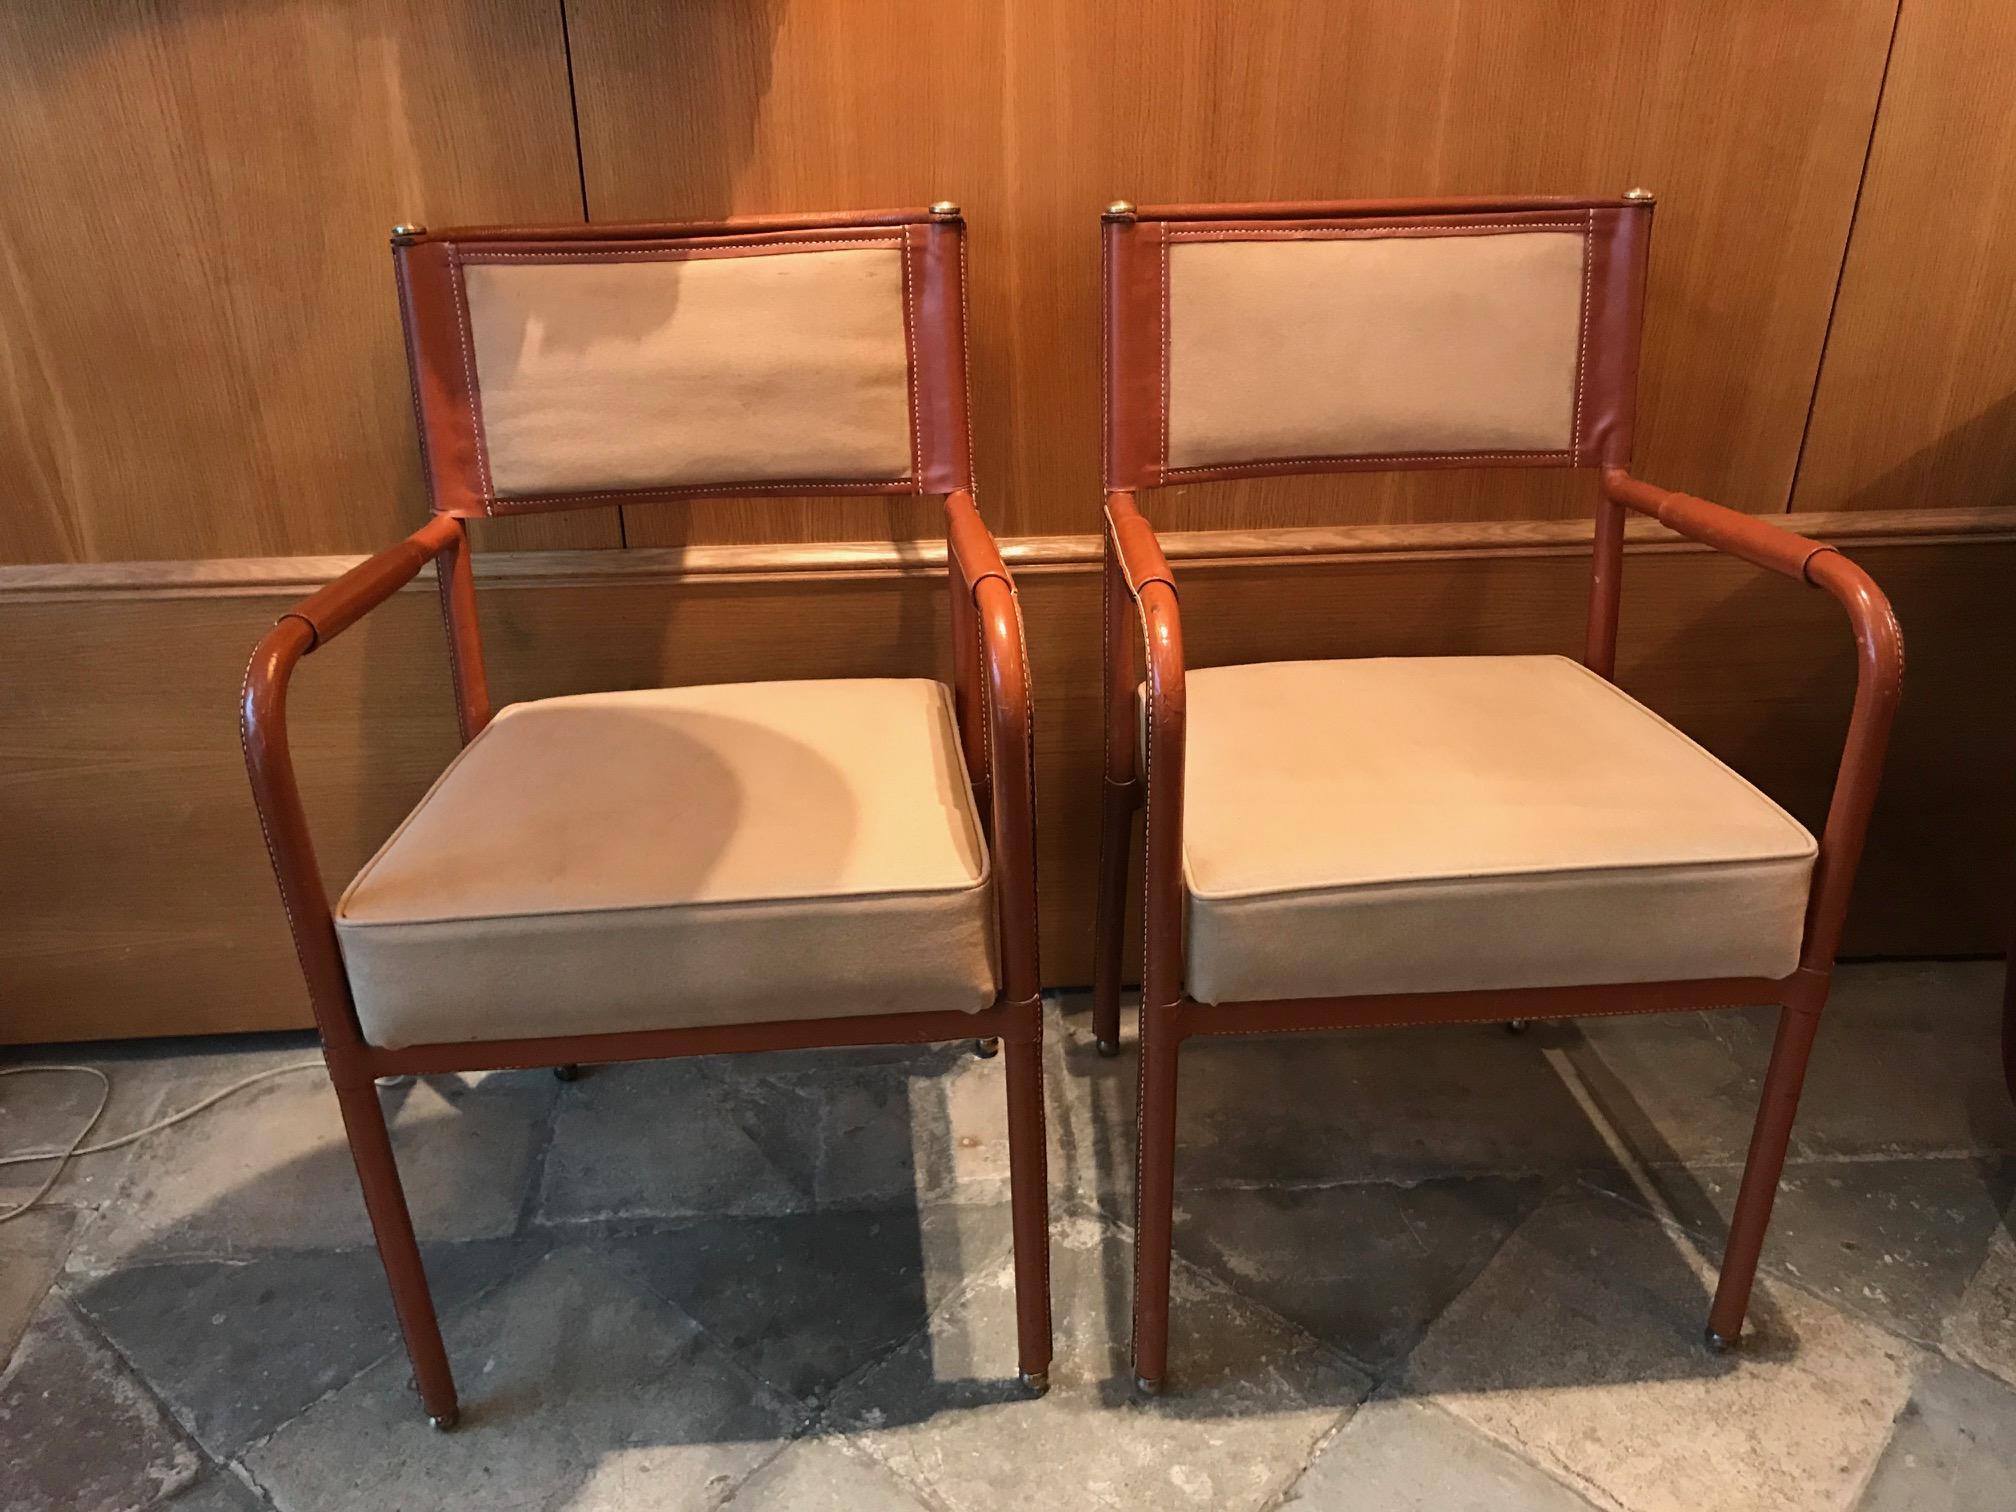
<point>134,883</point>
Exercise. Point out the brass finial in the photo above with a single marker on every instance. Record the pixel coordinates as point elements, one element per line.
<point>1639,194</point>
<point>945,209</point>
<point>404,235</point>
<point>1120,210</point>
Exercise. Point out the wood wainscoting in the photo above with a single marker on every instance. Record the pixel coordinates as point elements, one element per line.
<point>135,885</point>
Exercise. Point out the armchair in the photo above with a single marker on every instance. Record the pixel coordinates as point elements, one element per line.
<point>672,872</point>
<point>1437,840</point>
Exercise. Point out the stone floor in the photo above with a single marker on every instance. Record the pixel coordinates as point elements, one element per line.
<point>1439,1269</point>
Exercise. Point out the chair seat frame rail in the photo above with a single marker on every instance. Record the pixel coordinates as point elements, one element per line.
<point>1144,780</point>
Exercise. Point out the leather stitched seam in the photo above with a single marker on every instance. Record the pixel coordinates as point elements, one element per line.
<point>965,364</point>
<point>1345,232</point>
<point>1293,462</point>
<point>265,831</point>
<point>1415,1023</point>
<point>910,343</point>
<point>986,695</point>
<point>1582,355</point>
<point>1162,459</point>
<point>489,490</point>
<point>1143,1015</point>
<point>518,502</point>
<point>691,254</point>
<point>1106,656</point>
<point>1106,358</point>
<point>413,382</point>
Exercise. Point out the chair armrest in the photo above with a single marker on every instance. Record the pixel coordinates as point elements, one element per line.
<point>1137,574</point>
<point>262,735</point>
<point>1879,678</point>
<point>997,728</point>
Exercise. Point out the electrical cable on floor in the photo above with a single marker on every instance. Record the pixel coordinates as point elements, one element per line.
<point>77,1147</point>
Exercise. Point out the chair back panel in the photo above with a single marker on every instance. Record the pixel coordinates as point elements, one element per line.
<point>557,369</point>
<point>1244,341</point>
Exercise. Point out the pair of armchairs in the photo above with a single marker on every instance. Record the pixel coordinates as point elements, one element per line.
<point>665,872</point>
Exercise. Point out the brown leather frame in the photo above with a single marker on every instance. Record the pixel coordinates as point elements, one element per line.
<point>992,699</point>
<point>1141,599</point>
<point>1137,320</point>
<point>434,307</point>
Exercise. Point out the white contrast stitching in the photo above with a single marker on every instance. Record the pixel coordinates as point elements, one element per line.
<point>265,833</point>
<point>1332,233</point>
<point>489,493</point>
<point>1143,1016</point>
<point>1582,357</point>
<point>686,254</point>
<point>1106,359</point>
<point>1285,463</point>
<point>1162,461</point>
<point>965,366</point>
<point>911,342</point>
<point>706,490</point>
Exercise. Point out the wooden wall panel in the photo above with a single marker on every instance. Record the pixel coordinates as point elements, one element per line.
<point>807,106</point>
<point>200,335</point>
<point>1917,399</point>
<point>136,890</point>
<point>1750,121</point>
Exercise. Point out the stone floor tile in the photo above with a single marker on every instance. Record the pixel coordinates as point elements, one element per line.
<point>580,1389</point>
<point>1248,1398</point>
<point>150,1079</point>
<point>807,1299</point>
<point>820,1475</point>
<point>237,1347</point>
<point>32,1247</point>
<point>1579,1346</point>
<point>1954,1448</point>
<point>1982,1329</point>
<point>1675,1086</point>
<point>1404,1456</point>
<point>271,1169</point>
<point>1365,1267</point>
<point>1311,1110</point>
<point>1896,1241</point>
<point>78,1433</point>
<point>217,1491</point>
<point>675,1139</point>
<point>732,1135</point>
<point>934,1129</point>
<point>1907,1062</point>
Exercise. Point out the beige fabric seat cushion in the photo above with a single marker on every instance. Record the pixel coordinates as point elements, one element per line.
<point>681,856</point>
<point>1455,823</point>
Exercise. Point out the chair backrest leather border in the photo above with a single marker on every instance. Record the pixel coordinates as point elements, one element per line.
<point>1136,337</point>
<point>434,308</point>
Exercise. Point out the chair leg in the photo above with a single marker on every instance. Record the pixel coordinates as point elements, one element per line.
<point>1116,828</point>
<point>1154,1198</point>
<point>1029,1192</point>
<point>1797,1025</point>
<point>398,1250</point>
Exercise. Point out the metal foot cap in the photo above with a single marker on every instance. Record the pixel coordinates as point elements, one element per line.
<point>1109,1048</point>
<point>1147,1387</point>
<point>1515,1026</point>
<point>1035,1382</point>
<point>987,1049</point>
<point>1717,1343</point>
<point>443,1421</point>
<point>566,1073</point>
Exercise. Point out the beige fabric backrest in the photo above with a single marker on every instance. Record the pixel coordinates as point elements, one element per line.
<point>1317,338</point>
<point>600,365</point>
